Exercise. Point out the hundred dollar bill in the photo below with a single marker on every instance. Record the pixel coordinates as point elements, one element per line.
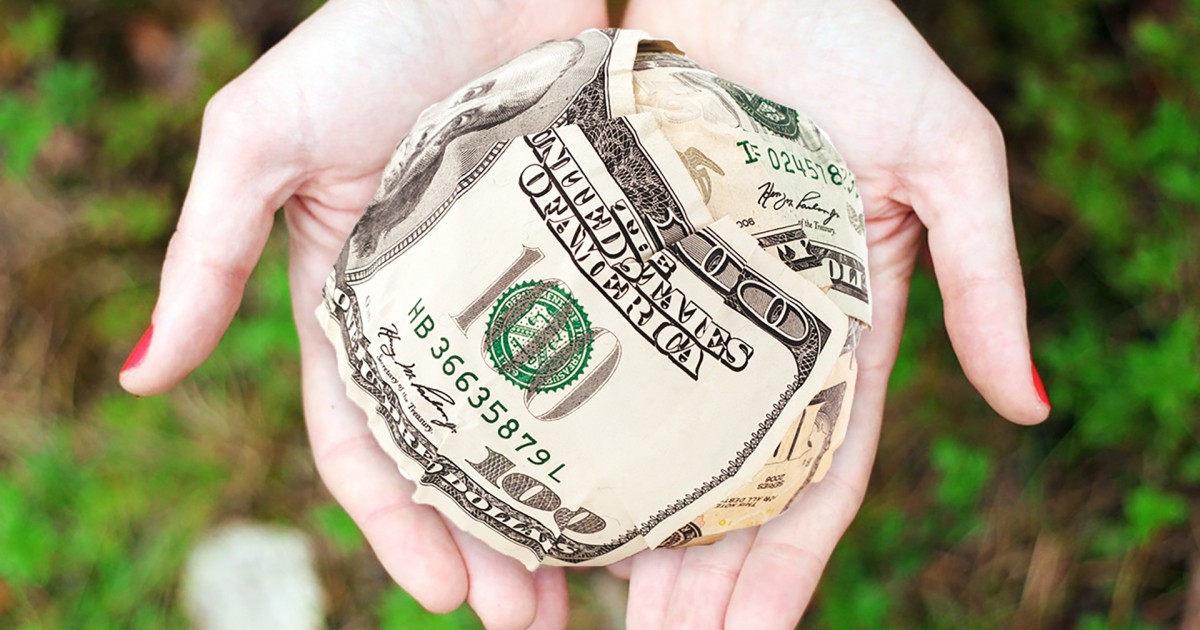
<point>777,175</point>
<point>455,141</point>
<point>550,331</point>
<point>764,165</point>
<point>801,458</point>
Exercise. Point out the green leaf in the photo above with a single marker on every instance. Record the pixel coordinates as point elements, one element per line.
<point>1155,38</point>
<point>1101,201</point>
<point>23,130</point>
<point>1189,469</point>
<point>1150,511</point>
<point>68,91</point>
<point>1165,375</point>
<point>222,54</point>
<point>924,322</point>
<point>27,539</point>
<point>255,341</point>
<point>132,215</point>
<point>36,37</point>
<point>332,521</point>
<point>1172,133</point>
<point>965,471</point>
<point>133,129</point>
<point>1155,265</point>
<point>118,319</point>
<point>855,604</point>
<point>1105,422</point>
<point>399,611</point>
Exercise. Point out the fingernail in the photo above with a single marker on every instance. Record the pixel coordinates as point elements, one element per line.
<point>139,351</point>
<point>1037,383</point>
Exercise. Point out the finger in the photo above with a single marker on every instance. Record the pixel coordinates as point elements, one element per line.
<point>500,590</point>
<point>706,580</point>
<point>552,599</point>
<point>650,584</point>
<point>965,204</point>
<point>410,540</point>
<point>787,558</point>
<point>238,182</point>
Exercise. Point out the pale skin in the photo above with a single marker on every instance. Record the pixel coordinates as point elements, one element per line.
<point>309,127</point>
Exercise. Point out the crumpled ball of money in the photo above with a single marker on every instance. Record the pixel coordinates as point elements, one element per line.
<point>605,301</point>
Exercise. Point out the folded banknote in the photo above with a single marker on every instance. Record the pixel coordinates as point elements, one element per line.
<point>605,301</point>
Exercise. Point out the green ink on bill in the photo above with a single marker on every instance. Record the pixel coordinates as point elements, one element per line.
<point>538,336</point>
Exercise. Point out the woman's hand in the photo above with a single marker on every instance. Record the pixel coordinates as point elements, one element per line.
<point>928,158</point>
<point>310,127</point>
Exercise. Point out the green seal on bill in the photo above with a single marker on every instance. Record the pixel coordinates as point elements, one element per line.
<point>538,336</point>
<point>780,120</point>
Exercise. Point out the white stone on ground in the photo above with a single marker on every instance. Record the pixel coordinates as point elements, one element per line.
<point>253,576</point>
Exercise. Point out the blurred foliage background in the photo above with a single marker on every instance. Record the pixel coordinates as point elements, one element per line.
<point>1085,522</point>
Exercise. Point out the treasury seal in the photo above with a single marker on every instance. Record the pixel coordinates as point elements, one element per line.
<point>538,336</point>
<point>780,120</point>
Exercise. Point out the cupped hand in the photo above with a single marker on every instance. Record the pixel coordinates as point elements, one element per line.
<point>310,127</point>
<point>929,159</point>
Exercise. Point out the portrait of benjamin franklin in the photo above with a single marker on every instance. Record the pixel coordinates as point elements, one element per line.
<point>514,99</point>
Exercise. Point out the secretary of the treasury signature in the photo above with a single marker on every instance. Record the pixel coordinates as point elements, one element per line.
<point>772,199</point>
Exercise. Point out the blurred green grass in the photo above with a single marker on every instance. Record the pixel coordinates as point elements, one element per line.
<point>1085,522</point>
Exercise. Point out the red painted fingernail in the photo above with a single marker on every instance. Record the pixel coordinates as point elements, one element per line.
<point>139,351</point>
<point>1037,383</point>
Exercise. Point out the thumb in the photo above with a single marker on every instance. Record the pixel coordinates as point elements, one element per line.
<point>965,205</point>
<point>241,177</point>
